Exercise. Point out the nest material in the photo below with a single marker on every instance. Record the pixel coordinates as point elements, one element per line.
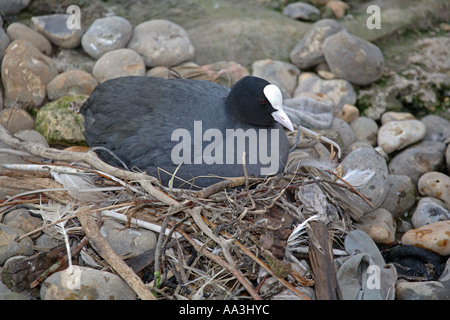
<point>223,242</point>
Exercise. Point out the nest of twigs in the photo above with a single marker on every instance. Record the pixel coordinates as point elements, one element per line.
<point>243,238</point>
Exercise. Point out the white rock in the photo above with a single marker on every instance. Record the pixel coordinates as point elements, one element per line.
<point>435,184</point>
<point>434,237</point>
<point>379,225</point>
<point>396,135</point>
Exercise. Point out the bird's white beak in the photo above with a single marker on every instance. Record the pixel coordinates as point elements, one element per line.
<point>273,94</point>
<point>282,118</point>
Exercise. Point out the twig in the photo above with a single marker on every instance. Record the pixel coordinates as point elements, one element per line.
<point>239,276</point>
<point>106,252</point>
<point>90,158</point>
<point>263,265</point>
<point>224,244</point>
<point>219,186</point>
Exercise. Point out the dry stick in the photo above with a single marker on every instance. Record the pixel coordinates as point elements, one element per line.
<point>90,158</point>
<point>106,252</point>
<point>239,276</point>
<point>263,265</point>
<point>321,258</point>
<point>224,244</point>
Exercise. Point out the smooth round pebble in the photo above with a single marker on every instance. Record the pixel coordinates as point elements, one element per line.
<point>15,120</point>
<point>422,290</point>
<point>429,210</point>
<point>434,237</point>
<point>345,132</point>
<point>379,225</point>
<point>118,63</point>
<point>377,187</point>
<point>435,184</point>
<point>365,130</point>
<point>70,83</point>
<point>17,30</point>
<point>301,11</point>
<point>308,51</point>
<point>127,240</point>
<point>396,135</point>
<point>60,125</point>
<point>10,247</point>
<point>161,43</point>
<point>401,195</point>
<point>352,58</point>
<point>348,113</point>
<point>23,220</point>
<point>12,7</point>
<point>280,73</point>
<point>340,91</point>
<point>106,34</point>
<point>437,128</point>
<point>447,157</point>
<point>396,116</point>
<point>418,159</point>
<point>25,74</point>
<point>85,284</point>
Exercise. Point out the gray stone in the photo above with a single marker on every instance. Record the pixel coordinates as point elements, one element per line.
<point>4,42</point>
<point>11,7</point>
<point>341,92</point>
<point>396,116</point>
<point>127,240</point>
<point>379,225</point>
<point>17,30</point>
<point>401,195</point>
<point>54,28</point>
<point>447,157</point>
<point>23,220</point>
<point>397,135</point>
<point>435,184</point>
<point>85,284</point>
<point>280,73</point>
<point>365,130</point>
<point>376,188</point>
<point>27,135</point>
<point>308,52</point>
<point>10,247</point>
<point>118,63</point>
<point>429,210</point>
<point>437,128</point>
<point>106,34</point>
<point>345,132</point>
<point>301,11</point>
<point>353,59</point>
<point>25,74</point>
<point>418,159</point>
<point>70,59</point>
<point>72,82</point>
<point>15,120</point>
<point>422,290</point>
<point>161,43</point>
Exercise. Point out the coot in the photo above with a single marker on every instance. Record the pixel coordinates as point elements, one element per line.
<point>194,128</point>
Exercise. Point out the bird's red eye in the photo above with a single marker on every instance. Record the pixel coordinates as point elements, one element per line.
<point>262,101</point>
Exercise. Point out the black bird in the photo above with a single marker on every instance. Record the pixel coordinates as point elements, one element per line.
<point>196,129</point>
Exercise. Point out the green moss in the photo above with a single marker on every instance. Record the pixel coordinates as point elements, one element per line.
<point>60,125</point>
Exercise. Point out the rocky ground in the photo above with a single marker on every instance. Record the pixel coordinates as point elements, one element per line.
<point>381,94</point>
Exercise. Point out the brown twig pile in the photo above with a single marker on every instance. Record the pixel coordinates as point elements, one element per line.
<point>222,242</point>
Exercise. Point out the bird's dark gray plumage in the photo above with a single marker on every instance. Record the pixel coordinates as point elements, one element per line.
<point>135,118</point>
